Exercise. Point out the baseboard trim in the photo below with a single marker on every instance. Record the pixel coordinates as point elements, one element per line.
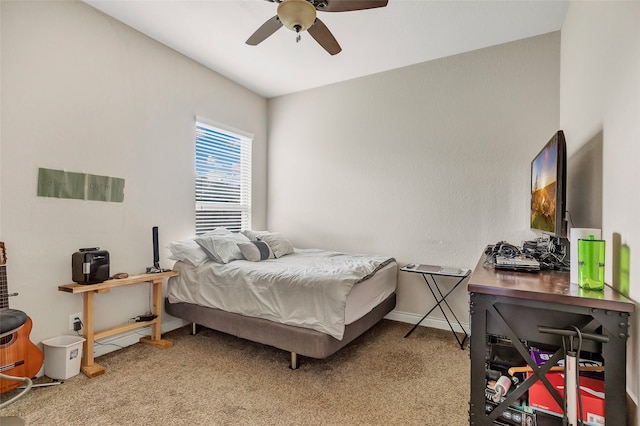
<point>110,344</point>
<point>438,323</point>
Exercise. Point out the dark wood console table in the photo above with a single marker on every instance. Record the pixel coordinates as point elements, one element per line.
<point>513,304</point>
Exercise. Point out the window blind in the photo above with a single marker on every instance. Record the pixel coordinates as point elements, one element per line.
<point>223,179</point>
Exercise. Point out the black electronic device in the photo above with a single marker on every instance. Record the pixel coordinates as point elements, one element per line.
<point>512,415</point>
<point>156,253</point>
<point>548,188</point>
<point>155,269</point>
<point>90,266</point>
<point>517,263</point>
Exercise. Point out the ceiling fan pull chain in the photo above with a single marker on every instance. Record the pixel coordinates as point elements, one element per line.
<point>297,28</point>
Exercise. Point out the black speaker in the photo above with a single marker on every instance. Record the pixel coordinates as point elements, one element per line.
<point>90,266</point>
<point>156,253</point>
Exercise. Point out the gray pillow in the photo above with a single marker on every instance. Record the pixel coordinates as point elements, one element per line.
<point>254,235</point>
<point>256,251</point>
<point>222,248</point>
<point>220,230</point>
<point>279,244</point>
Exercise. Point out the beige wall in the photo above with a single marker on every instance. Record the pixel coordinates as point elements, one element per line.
<point>600,97</point>
<point>428,163</point>
<point>83,92</point>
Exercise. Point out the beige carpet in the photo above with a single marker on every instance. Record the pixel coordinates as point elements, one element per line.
<point>216,379</point>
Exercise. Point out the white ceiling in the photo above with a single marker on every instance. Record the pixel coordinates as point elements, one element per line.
<point>213,33</point>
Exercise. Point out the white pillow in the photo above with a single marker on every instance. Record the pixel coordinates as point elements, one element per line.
<point>256,251</point>
<point>187,251</point>
<point>222,248</point>
<point>279,244</point>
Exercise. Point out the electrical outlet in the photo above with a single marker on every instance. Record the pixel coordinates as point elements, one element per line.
<point>72,318</point>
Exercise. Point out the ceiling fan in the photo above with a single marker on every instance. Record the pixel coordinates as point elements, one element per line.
<point>300,15</point>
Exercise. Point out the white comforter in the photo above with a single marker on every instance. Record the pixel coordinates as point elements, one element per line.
<point>308,288</point>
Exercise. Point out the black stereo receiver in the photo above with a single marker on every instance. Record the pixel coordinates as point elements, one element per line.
<point>90,266</point>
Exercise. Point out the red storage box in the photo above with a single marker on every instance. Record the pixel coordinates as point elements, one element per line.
<point>591,392</point>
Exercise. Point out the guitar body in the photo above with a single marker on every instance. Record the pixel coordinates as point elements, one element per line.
<point>19,357</point>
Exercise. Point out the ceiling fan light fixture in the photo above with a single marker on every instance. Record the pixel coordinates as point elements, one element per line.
<point>297,15</point>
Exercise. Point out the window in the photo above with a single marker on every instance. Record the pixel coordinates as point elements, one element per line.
<point>223,178</point>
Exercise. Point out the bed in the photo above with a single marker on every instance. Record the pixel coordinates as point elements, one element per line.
<point>309,302</point>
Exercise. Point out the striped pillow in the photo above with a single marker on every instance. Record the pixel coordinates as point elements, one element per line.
<point>256,251</point>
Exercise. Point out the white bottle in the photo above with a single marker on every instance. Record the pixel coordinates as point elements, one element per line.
<point>501,387</point>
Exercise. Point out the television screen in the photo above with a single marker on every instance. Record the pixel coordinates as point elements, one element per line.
<point>548,182</point>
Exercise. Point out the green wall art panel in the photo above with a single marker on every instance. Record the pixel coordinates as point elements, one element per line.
<point>79,186</point>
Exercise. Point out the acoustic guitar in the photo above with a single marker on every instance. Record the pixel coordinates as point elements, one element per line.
<point>19,357</point>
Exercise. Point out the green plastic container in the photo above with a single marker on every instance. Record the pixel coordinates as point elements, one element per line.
<point>591,263</point>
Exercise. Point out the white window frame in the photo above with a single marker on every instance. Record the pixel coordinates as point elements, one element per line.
<point>222,177</point>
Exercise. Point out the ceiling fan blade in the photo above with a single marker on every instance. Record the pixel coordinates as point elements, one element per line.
<point>348,5</point>
<point>268,28</point>
<point>323,36</point>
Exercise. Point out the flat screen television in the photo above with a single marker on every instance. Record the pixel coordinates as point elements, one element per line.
<point>548,188</point>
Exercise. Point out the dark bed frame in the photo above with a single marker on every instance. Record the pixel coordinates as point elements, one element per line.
<point>297,340</point>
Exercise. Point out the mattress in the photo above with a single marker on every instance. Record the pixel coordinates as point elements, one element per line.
<point>310,288</point>
<point>367,294</point>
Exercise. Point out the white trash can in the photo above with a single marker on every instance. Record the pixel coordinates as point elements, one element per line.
<point>62,356</point>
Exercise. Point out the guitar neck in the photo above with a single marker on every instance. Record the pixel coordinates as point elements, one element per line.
<point>4,288</point>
